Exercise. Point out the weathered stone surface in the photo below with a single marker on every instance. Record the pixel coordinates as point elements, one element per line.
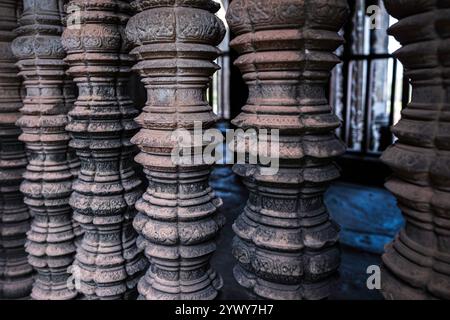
<point>16,275</point>
<point>178,219</point>
<point>286,244</point>
<point>52,166</point>
<point>417,264</point>
<point>101,125</point>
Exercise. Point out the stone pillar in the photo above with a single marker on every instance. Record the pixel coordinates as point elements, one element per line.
<point>101,125</point>
<point>177,220</point>
<point>286,244</point>
<point>15,272</point>
<point>417,264</point>
<point>52,167</point>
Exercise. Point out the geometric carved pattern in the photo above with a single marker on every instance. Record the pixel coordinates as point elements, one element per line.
<point>286,244</point>
<point>101,126</point>
<point>15,272</point>
<point>178,219</point>
<point>52,166</point>
<point>417,264</point>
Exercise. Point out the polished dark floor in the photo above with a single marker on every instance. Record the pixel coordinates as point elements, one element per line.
<point>353,276</point>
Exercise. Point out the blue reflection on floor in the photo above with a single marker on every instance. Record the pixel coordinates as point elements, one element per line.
<point>368,216</point>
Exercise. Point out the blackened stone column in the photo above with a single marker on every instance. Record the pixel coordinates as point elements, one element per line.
<point>15,272</point>
<point>417,264</point>
<point>286,244</point>
<point>101,124</point>
<point>178,220</point>
<point>52,167</point>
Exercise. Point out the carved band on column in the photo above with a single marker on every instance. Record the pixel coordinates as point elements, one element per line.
<point>16,275</point>
<point>101,125</point>
<point>178,219</point>
<point>52,166</point>
<point>286,244</point>
<point>417,264</point>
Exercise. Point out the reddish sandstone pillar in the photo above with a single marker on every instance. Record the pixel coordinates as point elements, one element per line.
<point>15,272</point>
<point>417,264</point>
<point>286,244</point>
<point>178,220</point>
<point>101,125</point>
<point>52,167</point>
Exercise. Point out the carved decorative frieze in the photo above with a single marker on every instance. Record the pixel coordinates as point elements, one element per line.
<point>417,264</point>
<point>178,219</point>
<point>52,166</point>
<point>286,244</point>
<point>101,126</point>
<point>16,275</point>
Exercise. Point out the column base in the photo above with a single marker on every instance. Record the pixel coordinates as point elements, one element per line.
<point>395,289</point>
<point>129,295</point>
<point>52,292</point>
<point>401,279</point>
<point>410,274</point>
<point>18,289</point>
<point>206,289</point>
<point>275,291</point>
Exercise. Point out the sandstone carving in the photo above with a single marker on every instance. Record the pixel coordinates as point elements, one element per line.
<point>178,219</point>
<point>286,244</point>
<point>16,275</point>
<point>52,165</point>
<point>101,125</point>
<point>417,264</point>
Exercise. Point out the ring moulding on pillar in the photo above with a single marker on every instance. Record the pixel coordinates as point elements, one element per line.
<point>178,218</point>
<point>286,245</point>
<point>52,165</point>
<point>101,125</point>
<point>416,265</point>
<point>16,275</point>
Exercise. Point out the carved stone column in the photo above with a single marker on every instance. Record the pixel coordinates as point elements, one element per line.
<point>15,272</point>
<point>417,264</point>
<point>286,244</point>
<point>48,178</point>
<point>178,219</point>
<point>101,126</point>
